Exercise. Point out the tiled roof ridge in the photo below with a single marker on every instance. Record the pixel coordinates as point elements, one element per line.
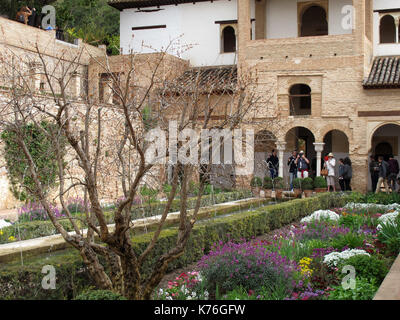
<point>385,73</point>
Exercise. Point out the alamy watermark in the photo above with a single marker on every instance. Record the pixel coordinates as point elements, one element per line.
<point>193,147</point>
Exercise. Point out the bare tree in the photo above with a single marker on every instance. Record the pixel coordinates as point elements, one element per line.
<point>103,138</point>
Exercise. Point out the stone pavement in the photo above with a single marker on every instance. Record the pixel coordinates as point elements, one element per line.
<point>390,288</point>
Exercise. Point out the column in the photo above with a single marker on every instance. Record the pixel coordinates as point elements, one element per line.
<point>397,22</point>
<point>107,91</point>
<point>319,147</point>
<point>281,147</point>
<point>76,85</point>
<point>244,27</point>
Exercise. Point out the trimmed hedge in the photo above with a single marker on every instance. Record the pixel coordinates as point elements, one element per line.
<point>24,282</point>
<point>36,229</point>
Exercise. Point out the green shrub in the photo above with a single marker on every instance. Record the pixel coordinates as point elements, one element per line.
<point>368,267</point>
<point>353,222</point>
<point>278,183</point>
<point>24,282</point>
<point>43,154</point>
<point>267,183</point>
<point>35,229</point>
<point>320,182</point>
<point>307,184</point>
<point>256,182</point>
<point>297,183</point>
<point>351,240</point>
<point>364,290</point>
<point>390,236</point>
<point>92,294</point>
<point>167,188</point>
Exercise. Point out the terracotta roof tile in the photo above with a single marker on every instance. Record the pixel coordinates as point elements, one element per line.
<point>385,73</point>
<point>211,79</point>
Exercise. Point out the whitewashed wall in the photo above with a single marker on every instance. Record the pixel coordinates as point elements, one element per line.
<point>282,21</point>
<point>193,24</point>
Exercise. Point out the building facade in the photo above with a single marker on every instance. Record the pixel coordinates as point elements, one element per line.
<point>330,69</point>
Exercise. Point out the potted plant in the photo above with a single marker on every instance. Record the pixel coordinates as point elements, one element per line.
<point>297,186</point>
<point>278,186</point>
<point>267,186</point>
<point>256,184</point>
<point>307,185</point>
<point>320,184</point>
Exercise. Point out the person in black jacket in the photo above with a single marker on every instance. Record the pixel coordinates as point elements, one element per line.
<point>393,172</point>
<point>374,172</point>
<point>273,164</point>
<point>292,168</point>
<point>341,175</point>
<point>383,174</point>
<point>348,173</point>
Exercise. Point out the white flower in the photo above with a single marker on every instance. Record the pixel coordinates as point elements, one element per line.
<point>387,218</point>
<point>366,206</point>
<point>321,214</point>
<point>333,258</point>
<point>4,223</point>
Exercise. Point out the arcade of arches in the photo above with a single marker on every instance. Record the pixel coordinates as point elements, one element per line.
<point>384,140</point>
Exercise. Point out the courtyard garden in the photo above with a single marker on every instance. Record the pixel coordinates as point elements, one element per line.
<point>294,250</point>
<point>307,260</point>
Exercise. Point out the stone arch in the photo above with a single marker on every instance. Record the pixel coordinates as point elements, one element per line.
<point>387,29</point>
<point>313,21</point>
<point>337,142</point>
<point>375,129</point>
<point>336,126</point>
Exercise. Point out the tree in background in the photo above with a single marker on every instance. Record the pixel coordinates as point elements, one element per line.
<point>94,21</point>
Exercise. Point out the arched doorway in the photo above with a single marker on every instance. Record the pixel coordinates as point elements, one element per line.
<point>264,143</point>
<point>385,142</point>
<point>299,139</point>
<point>314,22</point>
<point>337,142</point>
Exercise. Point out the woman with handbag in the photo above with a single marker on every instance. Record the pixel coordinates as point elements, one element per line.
<point>330,165</point>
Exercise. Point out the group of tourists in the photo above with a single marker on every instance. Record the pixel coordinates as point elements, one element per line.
<point>299,167</point>
<point>384,172</point>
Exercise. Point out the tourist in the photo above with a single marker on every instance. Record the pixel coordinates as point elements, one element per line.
<point>330,179</point>
<point>292,168</point>
<point>273,164</point>
<point>348,173</point>
<point>23,15</point>
<point>383,174</point>
<point>393,172</point>
<point>302,164</point>
<point>374,172</point>
<point>32,18</point>
<point>342,174</point>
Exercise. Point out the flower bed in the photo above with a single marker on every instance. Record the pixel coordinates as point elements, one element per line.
<point>24,282</point>
<point>308,261</point>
